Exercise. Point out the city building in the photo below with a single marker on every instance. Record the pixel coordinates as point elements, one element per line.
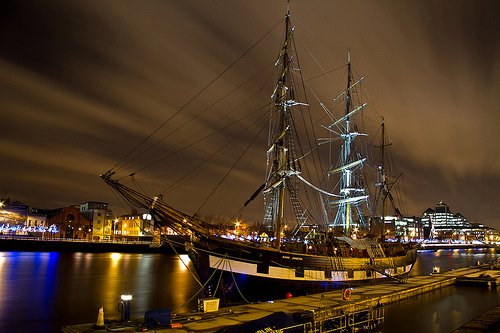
<point>93,220</point>
<point>133,227</point>
<point>408,229</point>
<point>13,216</point>
<point>440,223</point>
<point>67,222</point>
<point>101,217</point>
<point>36,221</point>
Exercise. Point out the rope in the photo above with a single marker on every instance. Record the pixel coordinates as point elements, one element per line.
<point>187,267</point>
<point>198,115</point>
<point>220,278</point>
<point>194,97</point>
<point>231,169</point>
<point>203,288</point>
<point>236,283</point>
<point>317,188</point>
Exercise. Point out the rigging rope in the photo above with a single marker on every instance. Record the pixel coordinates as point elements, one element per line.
<point>220,276</point>
<point>194,97</point>
<point>317,188</point>
<point>236,283</point>
<point>317,162</point>
<point>201,289</point>
<point>231,169</point>
<point>187,267</point>
<point>198,115</point>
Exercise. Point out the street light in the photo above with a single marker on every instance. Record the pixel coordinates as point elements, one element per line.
<point>115,222</point>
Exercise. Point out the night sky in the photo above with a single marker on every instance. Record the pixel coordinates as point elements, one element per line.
<point>83,82</point>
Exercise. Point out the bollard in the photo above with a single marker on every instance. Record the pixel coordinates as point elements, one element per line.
<point>100,318</point>
<point>124,307</point>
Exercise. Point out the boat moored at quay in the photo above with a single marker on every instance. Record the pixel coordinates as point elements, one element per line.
<point>320,230</point>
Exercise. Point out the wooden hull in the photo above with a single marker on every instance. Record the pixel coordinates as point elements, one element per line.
<point>233,270</point>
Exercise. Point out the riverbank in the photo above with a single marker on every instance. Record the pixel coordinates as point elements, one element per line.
<point>453,246</point>
<point>40,244</point>
<point>34,244</point>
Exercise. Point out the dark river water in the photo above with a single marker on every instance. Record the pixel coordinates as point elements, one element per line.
<point>42,291</point>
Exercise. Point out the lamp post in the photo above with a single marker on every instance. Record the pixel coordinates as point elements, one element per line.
<point>115,222</point>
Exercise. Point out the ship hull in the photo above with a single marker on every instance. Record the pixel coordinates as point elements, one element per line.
<point>236,272</point>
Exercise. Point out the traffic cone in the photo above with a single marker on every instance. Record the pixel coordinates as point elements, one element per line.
<point>100,318</point>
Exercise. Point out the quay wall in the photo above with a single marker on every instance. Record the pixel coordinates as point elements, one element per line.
<point>27,244</point>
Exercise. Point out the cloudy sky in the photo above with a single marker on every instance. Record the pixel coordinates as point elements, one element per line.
<point>83,82</point>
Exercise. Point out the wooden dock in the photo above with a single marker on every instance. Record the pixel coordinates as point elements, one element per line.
<point>490,278</point>
<point>322,307</point>
<point>487,322</point>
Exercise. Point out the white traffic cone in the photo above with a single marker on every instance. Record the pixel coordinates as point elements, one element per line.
<point>100,318</point>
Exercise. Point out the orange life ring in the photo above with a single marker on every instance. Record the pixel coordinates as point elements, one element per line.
<point>346,293</point>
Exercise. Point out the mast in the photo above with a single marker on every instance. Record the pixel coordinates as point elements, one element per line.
<point>385,186</point>
<point>384,181</point>
<point>283,164</point>
<point>347,146</point>
<point>275,193</point>
<point>282,153</point>
<point>351,191</point>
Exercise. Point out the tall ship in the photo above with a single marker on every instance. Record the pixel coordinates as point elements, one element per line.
<point>318,229</point>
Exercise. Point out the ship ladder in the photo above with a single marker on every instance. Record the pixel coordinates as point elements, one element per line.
<point>270,209</point>
<point>337,263</point>
<point>300,214</point>
<point>376,251</point>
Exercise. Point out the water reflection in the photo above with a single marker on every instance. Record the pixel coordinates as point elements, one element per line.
<point>444,310</point>
<point>451,259</point>
<point>115,257</point>
<point>184,262</point>
<point>29,281</point>
<point>55,289</point>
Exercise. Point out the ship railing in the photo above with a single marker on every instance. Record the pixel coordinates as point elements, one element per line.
<point>337,263</point>
<point>328,320</point>
<point>368,318</point>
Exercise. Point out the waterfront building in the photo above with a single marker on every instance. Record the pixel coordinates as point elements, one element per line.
<point>441,223</point>
<point>133,227</point>
<point>68,222</point>
<point>13,217</point>
<point>408,228</point>
<point>404,228</point>
<point>36,221</point>
<point>17,218</point>
<point>101,217</point>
